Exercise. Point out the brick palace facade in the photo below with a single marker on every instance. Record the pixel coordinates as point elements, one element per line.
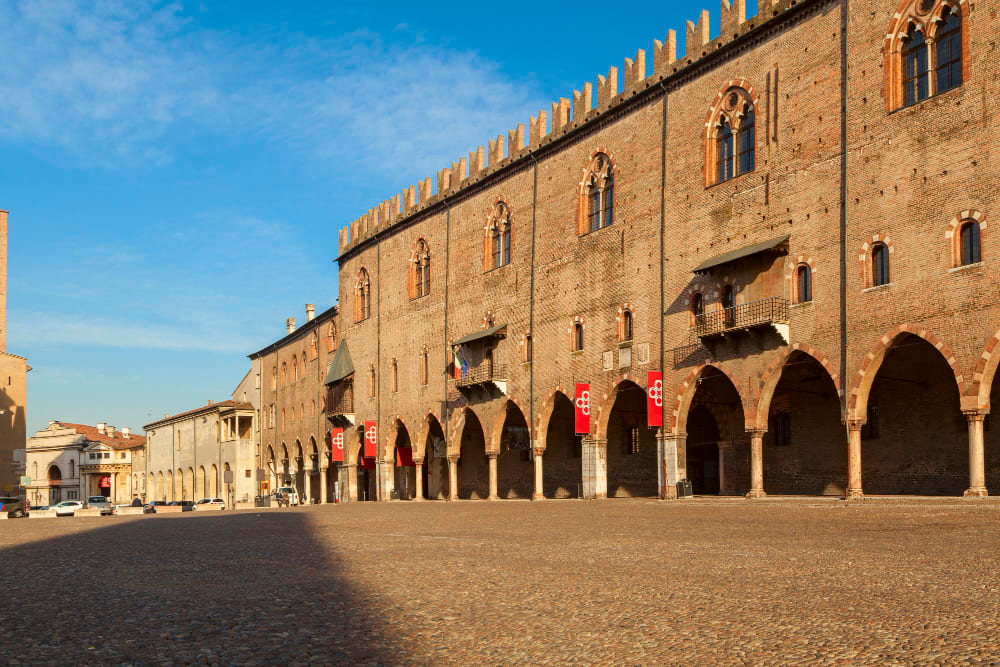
<point>791,220</point>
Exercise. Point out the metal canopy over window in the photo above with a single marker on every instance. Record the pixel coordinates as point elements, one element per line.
<point>342,365</point>
<point>498,331</point>
<point>709,264</point>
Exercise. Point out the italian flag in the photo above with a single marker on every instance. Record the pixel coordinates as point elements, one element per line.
<point>460,364</point>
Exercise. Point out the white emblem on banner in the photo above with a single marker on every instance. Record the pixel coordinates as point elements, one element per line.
<point>338,441</point>
<point>370,435</point>
<point>583,402</point>
<point>656,393</point>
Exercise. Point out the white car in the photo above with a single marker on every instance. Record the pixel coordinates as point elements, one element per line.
<point>290,494</point>
<point>210,501</point>
<point>67,507</point>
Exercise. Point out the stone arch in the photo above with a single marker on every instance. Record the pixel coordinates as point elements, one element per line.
<point>389,442</point>
<point>982,379</point>
<point>457,425</point>
<point>954,238</point>
<point>686,392</point>
<point>213,482</point>
<point>607,404</point>
<point>425,430</point>
<point>857,403</point>
<point>772,375</point>
<point>864,257</point>
<point>544,416</point>
<point>497,424</point>
<point>352,444</point>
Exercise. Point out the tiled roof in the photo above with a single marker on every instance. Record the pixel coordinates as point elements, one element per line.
<point>116,441</point>
<point>211,406</point>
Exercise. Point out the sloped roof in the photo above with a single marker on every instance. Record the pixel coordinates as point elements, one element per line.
<point>210,406</point>
<point>341,366</point>
<point>116,441</point>
<point>477,335</point>
<point>734,255</point>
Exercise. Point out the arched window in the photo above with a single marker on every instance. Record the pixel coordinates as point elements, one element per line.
<point>393,377</point>
<point>331,337</point>
<point>627,325</point>
<point>948,57</point>
<point>72,470</point>
<point>916,68</point>
<point>724,148</point>
<point>729,305</point>
<point>971,251</point>
<point>54,473</point>
<point>282,420</point>
<point>698,305</point>
<point>424,370</point>
<point>302,374</point>
<point>314,345</point>
<point>420,271</point>
<point>362,297</point>
<point>371,382</point>
<point>284,373</point>
<point>302,410</point>
<point>498,237</point>
<point>746,141</point>
<point>295,367</point>
<point>803,284</point>
<point>880,264</point>
<point>597,196</point>
<point>274,377</point>
<point>312,408</point>
<point>577,336</point>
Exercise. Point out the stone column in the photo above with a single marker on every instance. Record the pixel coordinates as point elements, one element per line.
<point>756,464</point>
<point>351,492</point>
<point>977,467</point>
<point>492,457</point>
<point>539,493</point>
<point>307,483</point>
<point>854,489</point>
<point>595,467</point>
<point>323,485</point>
<point>673,467</point>
<point>387,478</point>
<point>419,463</point>
<point>452,477</point>
<point>114,488</point>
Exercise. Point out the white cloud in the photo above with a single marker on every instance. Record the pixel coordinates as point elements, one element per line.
<point>116,83</point>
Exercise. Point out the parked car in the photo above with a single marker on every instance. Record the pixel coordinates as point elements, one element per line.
<point>150,507</point>
<point>290,494</point>
<point>40,507</point>
<point>99,502</point>
<point>67,507</point>
<point>14,507</point>
<point>210,501</point>
<point>186,505</point>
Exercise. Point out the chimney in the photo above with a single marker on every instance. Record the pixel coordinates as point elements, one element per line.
<point>290,324</point>
<point>209,401</point>
<point>310,312</point>
<point>3,281</point>
<point>101,427</point>
<point>126,432</point>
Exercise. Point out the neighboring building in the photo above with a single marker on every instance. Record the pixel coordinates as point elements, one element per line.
<point>72,461</point>
<point>789,221</point>
<point>294,441</point>
<point>188,454</point>
<point>13,373</point>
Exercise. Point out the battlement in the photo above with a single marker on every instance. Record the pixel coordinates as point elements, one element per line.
<point>568,114</point>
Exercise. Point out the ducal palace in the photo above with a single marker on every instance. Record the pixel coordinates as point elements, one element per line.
<point>764,264</point>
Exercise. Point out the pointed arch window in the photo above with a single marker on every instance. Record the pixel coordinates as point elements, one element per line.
<point>731,139</point>
<point>597,204</point>
<point>626,325</point>
<point>924,50</point>
<point>284,374</point>
<point>362,297</point>
<point>498,237</point>
<point>331,337</point>
<point>880,264</point>
<point>724,148</point>
<point>971,250</point>
<point>371,382</point>
<point>803,284</point>
<point>916,68</point>
<point>577,336</point>
<point>746,141</point>
<point>948,55</point>
<point>420,270</point>
<point>295,368</point>
<point>697,305</point>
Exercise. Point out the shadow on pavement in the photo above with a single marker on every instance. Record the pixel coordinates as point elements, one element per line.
<point>243,588</point>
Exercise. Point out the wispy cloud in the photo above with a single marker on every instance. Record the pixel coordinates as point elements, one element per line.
<point>117,83</point>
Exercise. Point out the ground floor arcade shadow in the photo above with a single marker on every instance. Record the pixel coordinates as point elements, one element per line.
<point>563,464</point>
<point>631,445</point>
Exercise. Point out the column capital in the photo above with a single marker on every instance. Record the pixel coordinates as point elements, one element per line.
<point>418,462</point>
<point>855,424</point>
<point>538,451</point>
<point>452,458</point>
<point>756,432</point>
<point>975,414</point>
<point>492,455</point>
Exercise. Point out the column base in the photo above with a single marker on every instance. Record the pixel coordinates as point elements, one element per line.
<point>418,499</point>
<point>669,492</point>
<point>755,493</point>
<point>854,494</point>
<point>538,496</point>
<point>493,497</point>
<point>976,492</point>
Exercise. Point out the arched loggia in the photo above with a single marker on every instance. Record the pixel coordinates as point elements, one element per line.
<point>512,447</point>
<point>563,472</point>
<point>434,471</point>
<point>631,445</point>
<point>400,460</point>
<point>473,468</point>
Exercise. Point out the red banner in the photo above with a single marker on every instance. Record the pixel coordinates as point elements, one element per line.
<point>371,440</point>
<point>367,464</point>
<point>404,457</point>
<point>654,398</point>
<point>337,445</point>
<point>105,482</point>
<point>582,404</point>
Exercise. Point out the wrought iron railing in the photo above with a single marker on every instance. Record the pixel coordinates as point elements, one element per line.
<point>340,398</point>
<point>482,374</point>
<point>744,316</point>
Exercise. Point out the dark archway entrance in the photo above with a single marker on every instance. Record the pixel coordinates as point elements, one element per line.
<point>563,462</point>
<point>404,471</point>
<point>703,451</point>
<point>367,480</point>
<point>716,460</point>
<point>631,445</point>
<point>915,440</point>
<point>515,471</point>
<point>473,468</point>
<point>805,449</point>
<point>435,469</point>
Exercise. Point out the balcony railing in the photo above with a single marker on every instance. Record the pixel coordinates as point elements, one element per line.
<point>340,398</point>
<point>773,310</point>
<point>482,374</point>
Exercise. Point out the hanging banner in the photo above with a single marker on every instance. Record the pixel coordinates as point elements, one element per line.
<point>371,440</point>
<point>404,457</point>
<point>337,445</point>
<point>582,404</point>
<point>654,398</point>
<point>367,464</point>
<point>105,482</point>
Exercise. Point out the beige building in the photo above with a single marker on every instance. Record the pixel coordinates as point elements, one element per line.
<point>13,372</point>
<point>72,461</point>
<point>189,454</point>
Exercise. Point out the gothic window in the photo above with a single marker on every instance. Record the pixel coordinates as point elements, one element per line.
<point>803,284</point>
<point>626,325</point>
<point>331,337</point>
<point>274,377</point>
<point>948,65</point>
<point>916,68</point>
<point>314,345</point>
<point>284,373</point>
<point>597,195</point>
<point>302,374</point>
<point>362,297</point>
<point>732,142</point>
<point>724,148</point>
<point>394,377</point>
<point>498,237</point>
<point>295,367</point>
<point>969,238</point>
<point>420,270</point>
<point>880,264</point>
<point>577,336</point>
<point>746,143</point>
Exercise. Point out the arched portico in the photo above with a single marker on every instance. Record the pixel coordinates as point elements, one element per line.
<point>631,449</point>
<point>399,471</point>
<point>511,471</point>
<point>432,467</point>
<point>562,448</point>
<point>470,470</point>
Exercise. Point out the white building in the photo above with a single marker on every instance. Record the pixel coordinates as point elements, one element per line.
<point>72,461</point>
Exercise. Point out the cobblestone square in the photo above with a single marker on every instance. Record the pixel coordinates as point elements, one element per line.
<point>625,581</point>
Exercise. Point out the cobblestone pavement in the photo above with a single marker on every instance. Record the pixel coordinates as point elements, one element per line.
<point>638,581</point>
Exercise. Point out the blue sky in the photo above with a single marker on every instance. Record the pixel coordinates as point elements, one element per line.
<point>177,172</point>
